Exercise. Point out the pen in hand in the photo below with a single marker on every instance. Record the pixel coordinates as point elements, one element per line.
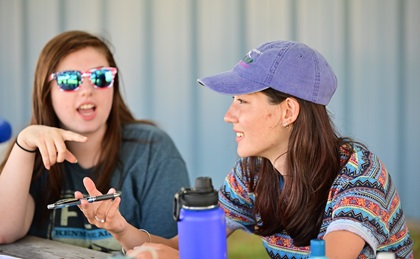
<point>73,202</point>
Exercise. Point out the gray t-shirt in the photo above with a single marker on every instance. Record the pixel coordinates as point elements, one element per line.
<point>152,172</point>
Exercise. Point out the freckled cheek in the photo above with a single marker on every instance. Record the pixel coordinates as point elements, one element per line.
<point>62,106</point>
<point>265,128</point>
<point>257,129</point>
<point>108,102</point>
<point>271,121</point>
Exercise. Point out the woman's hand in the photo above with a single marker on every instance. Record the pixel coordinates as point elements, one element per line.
<point>103,214</point>
<point>50,142</point>
<point>152,251</point>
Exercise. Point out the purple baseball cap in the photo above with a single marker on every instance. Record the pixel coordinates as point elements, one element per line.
<point>289,67</point>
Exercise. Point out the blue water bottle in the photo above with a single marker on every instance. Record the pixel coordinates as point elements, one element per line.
<point>317,249</point>
<point>201,222</point>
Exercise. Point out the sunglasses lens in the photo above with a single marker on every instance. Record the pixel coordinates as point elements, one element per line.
<point>69,80</point>
<point>102,78</point>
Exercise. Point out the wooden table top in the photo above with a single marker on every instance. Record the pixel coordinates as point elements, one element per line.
<point>31,247</point>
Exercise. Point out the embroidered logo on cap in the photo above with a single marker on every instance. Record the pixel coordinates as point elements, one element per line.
<point>249,57</point>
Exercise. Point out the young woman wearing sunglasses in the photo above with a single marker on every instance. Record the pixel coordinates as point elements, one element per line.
<point>297,179</point>
<point>81,127</point>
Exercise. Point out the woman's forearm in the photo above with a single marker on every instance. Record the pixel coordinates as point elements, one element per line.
<point>17,205</point>
<point>132,237</point>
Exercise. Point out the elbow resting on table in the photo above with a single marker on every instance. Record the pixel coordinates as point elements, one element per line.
<point>7,237</point>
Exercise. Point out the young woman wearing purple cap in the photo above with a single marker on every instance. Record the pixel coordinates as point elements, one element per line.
<point>297,179</point>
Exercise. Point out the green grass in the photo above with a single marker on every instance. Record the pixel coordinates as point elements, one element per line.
<point>415,235</point>
<point>242,245</point>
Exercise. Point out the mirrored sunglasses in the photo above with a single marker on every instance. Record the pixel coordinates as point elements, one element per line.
<point>70,80</point>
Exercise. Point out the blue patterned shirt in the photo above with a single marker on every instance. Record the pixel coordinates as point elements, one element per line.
<point>362,200</point>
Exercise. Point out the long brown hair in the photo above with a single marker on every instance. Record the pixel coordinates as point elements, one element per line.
<point>313,162</point>
<point>43,113</point>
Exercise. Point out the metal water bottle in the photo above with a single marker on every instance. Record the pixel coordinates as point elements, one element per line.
<point>201,222</point>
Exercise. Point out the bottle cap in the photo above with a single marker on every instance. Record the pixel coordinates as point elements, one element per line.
<point>317,247</point>
<point>203,196</point>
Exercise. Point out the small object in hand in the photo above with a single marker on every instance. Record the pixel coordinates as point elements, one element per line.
<point>100,220</point>
<point>74,202</point>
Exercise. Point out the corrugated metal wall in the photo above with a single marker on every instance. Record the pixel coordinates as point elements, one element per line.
<point>163,46</point>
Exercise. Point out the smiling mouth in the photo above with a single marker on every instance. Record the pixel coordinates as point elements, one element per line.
<point>86,109</point>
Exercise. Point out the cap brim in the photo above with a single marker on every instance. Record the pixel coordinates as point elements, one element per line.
<point>231,83</point>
